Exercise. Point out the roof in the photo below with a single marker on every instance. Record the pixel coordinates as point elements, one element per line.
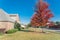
<point>13,14</point>
<point>4,16</point>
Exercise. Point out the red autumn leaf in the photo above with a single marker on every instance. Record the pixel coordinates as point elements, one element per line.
<point>42,14</point>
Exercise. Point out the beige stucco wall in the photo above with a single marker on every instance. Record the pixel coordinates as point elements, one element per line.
<point>10,26</point>
<point>6,25</point>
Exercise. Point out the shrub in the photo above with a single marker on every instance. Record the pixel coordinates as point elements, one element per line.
<point>17,26</point>
<point>11,31</point>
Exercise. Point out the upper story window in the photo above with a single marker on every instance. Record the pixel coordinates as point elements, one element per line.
<point>12,15</point>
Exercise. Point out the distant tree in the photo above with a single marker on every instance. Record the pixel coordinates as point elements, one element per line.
<point>42,15</point>
<point>57,22</point>
<point>29,25</point>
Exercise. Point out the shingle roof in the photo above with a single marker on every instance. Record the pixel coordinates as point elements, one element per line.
<point>5,16</point>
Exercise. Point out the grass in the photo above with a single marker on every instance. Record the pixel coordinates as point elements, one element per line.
<point>29,34</point>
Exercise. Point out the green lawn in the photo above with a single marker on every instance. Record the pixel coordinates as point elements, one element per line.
<point>30,35</point>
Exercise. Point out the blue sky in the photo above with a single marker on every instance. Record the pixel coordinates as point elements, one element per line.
<point>25,8</point>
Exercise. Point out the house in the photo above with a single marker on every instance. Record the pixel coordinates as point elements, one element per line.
<point>7,20</point>
<point>15,17</point>
<point>23,26</point>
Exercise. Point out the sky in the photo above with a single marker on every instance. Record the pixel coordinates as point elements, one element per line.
<point>25,8</point>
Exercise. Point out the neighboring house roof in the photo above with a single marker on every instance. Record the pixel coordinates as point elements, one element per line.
<point>4,16</point>
<point>23,26</point>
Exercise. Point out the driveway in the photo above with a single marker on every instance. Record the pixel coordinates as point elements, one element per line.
<point>53,30</point>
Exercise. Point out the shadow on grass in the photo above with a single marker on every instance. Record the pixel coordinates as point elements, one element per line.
<point>32,31</point>
<point>40,32</point>
<point>27,31</point>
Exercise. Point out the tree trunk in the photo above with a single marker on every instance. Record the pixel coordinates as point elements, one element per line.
<point>42,30</point>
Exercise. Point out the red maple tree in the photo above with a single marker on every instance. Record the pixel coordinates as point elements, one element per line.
<point>42,14</point>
